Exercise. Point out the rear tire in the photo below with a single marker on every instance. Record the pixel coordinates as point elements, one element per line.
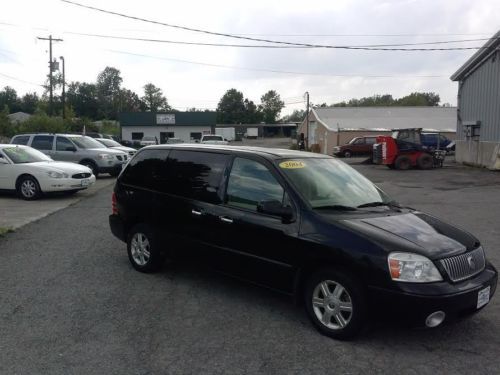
<point>336,303</point>
<point>28,188</point>
<point>144,250</point>
<point>425,161</point>
<point>402,162</point>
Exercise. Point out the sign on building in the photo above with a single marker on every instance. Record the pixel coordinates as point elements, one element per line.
<point>168,119</point>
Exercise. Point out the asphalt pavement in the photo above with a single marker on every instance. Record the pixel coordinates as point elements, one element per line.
<point>70,303</point>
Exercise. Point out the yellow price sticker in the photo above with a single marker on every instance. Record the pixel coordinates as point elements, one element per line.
<point>292,164</point>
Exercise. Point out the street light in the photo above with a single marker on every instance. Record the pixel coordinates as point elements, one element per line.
<point>63,89</point>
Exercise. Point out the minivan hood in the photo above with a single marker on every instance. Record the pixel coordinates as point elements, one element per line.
<point>416,231</point>
<point>105,151</point>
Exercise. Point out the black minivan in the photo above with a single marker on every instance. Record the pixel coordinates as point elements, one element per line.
<point>302,223</point>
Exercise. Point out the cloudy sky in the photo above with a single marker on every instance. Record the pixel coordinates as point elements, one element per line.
<point>197,76</point>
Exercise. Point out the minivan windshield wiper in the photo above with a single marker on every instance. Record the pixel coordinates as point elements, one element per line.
<point>337,207</point>
<point>377,204</point>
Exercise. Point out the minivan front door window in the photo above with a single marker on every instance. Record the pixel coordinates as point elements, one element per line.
<point>250,182</point>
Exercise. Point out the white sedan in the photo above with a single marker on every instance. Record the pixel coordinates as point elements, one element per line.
<point>31,173</point>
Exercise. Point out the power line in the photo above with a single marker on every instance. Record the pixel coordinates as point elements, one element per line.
<point>260,39</point>
<point>266,46</point>
<point>271,70</point>
<point>21,80</point>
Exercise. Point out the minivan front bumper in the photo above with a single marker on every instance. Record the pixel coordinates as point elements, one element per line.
<point>460,299</point>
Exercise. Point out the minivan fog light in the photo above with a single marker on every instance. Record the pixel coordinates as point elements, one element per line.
<point>435,319</point>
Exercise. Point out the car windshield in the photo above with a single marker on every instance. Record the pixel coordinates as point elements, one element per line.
<point>109,143</point>
<point>86,142</point>
<point>327,182</point>
<point>21,155</point>
<point>212,138</point>
<point>353,140</point>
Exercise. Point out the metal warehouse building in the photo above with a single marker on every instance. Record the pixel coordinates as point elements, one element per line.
<point>333,126</point>
<point>478,125</point>
<point>188,126</point>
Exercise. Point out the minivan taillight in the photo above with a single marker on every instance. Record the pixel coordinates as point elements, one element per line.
<point>114,209</point>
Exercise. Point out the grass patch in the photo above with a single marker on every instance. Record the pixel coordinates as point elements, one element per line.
<point>4,231</point>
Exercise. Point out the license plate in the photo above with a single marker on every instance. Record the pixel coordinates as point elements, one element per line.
<point>483,297</point>
<point>85,182</point>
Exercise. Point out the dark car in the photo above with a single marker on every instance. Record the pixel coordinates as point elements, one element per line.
<point>356,146</point>
<point>302,223</point>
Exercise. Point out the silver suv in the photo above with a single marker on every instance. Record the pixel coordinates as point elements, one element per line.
<point>76,148</point>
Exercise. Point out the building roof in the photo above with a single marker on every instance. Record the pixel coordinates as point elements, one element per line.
<point>178,119</point>
<point>19,116</point>
<point>442,119</point>
<point>477,59</point>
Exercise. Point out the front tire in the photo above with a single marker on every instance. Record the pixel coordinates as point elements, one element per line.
<point>28,188</point>
<point>143,249</point>
<point>336,304</point>
<point>93,166</point>
<point>347,153</point>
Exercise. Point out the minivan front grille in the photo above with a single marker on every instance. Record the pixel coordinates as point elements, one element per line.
<point>81,175</point>
<point>464,266</point>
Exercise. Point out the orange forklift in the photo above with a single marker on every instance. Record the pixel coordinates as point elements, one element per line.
<point>404,150</point>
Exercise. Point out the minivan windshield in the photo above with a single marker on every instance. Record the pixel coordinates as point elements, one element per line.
<point>86,142</point>
<point>21,155</point>
<point>327,182</point>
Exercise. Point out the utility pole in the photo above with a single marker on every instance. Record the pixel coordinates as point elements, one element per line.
<point>63,88</point>
<point>307,121</point>
<point>51,68</point>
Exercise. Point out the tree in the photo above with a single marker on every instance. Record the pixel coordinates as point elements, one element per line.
<point>420,99</point>
<point>253,115</point>
<point>108,92</point>
<point>297,115</point>
<point>130,102</point>
<point>271,106</point>
<point>29,102</point>
<point>231,108</point>
<point>153,99</point>
<point>7,129</point>
<point>82,97</point>
<point>8,97</point>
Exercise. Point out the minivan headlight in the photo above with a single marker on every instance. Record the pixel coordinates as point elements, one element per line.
<point>105,156</point>
<point>412,268</point>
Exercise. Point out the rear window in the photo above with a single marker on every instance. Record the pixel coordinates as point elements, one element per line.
<point>197,175</point>
<point>20,140</point>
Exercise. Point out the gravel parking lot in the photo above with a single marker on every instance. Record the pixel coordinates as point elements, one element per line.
<point>71,303</point>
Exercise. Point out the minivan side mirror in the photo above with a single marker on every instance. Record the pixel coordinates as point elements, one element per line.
<point>71,148</point>
<point>275,208</point>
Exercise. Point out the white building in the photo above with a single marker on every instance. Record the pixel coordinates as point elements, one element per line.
<point>187,126</point>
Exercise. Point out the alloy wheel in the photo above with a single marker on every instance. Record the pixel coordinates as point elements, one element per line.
<point>28,188</point>
<point>332,304</point>
<point>140,249</point>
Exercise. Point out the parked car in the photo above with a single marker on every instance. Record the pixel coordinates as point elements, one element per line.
<point>31,173</point>
<point>102,136</point>
<point>110,143</point>
<point>214,139</point>
<point>434,141</point>
<point>356,146</point>
<point>148,141</point>
<point>302,223</point>
<point>76,148</point>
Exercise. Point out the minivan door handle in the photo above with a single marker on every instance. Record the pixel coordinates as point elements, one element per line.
<point>196,212</point>
<point>226,219</point>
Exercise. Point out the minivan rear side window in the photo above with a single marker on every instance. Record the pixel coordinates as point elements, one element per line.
<point>20,140</point>
<point>147,170</point>
<point>197,175</point>
<point>42,142</point>
<point>251,182</point>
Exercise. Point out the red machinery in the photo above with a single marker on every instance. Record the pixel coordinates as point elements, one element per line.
<point>404,150</point>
